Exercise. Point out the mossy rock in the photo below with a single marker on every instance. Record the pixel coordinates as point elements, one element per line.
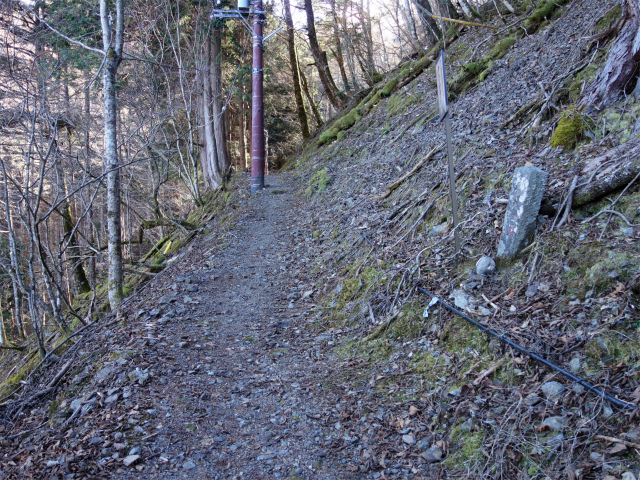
<point>610,348</point>
<point>485,73</point>
<point>570,129</point>
<point>328,136</point>
<point>348,120</point>
<point>542,13</point>
<point>608,271</point>
<point>474,68</point>
<point>389,87</point>
<point>500,49</point>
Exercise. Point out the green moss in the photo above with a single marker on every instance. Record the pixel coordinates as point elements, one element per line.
<point>376,77</point>
<point>474,67</point>
<point>600,275</point>
<point>612,348</point>
<point>389,87</point>
<point>543,12</point>
<point>609,19</point>
<point>409,323</point>
<point>465,446</point>
<point>328,136</point>
<point>459,336</point>
<point>316,234</point>
<point>500,49</point>
<point>570,129</point>
<point>319,182</point>
<point>585,76</point>
<point>348,120</point>
<point>485,73</point>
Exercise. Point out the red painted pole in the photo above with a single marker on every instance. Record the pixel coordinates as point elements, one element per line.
<point>257,111</point>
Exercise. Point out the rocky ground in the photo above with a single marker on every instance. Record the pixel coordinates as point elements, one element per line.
<point>289,340</point>
<point>214,371</point>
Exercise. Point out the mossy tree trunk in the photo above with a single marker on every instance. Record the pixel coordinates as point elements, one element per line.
<point>620,71</point>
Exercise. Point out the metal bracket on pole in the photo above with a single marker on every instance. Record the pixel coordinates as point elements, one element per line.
<point>271,34</point>
<point>224,13</point>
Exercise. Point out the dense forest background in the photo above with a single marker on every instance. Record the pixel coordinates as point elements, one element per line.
<point>117,119</point>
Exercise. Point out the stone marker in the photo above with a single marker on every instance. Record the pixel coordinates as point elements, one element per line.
<point>527,189</point>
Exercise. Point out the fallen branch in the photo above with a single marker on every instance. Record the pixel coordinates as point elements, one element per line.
<point>618,440</point>
<point>9,347</point>
<point>569,203</point>
<point>409,174</point>
<point>140,272</point>
<point>606,210</point>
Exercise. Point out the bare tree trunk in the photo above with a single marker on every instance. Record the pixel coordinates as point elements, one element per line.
<point>112,44</point>
<point>222,150</point>
<point>338,52</point>
<point>13,269</point>
<point>314,107</point>
<point>430,26</point>
<point>3,333</point>
<point>68,226</point>
<point>87,160</point>
<point>337,99</point>
<point>618,73</point>
<point>293,60</point>
<point>412,23</point>
<point>345,42</point>
<point>210,170</point>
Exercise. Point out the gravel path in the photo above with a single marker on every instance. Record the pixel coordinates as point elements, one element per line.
<point>239,386</point>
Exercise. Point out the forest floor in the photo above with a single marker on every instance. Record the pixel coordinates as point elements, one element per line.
<point>213,371</point>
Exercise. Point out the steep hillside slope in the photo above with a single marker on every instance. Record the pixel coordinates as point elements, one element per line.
<point>569,297</point>
<point>292,337</point>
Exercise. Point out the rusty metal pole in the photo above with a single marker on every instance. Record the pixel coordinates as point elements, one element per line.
<point>257,111</point>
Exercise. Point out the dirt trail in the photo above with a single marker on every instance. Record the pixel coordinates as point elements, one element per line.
<point>237,384</point>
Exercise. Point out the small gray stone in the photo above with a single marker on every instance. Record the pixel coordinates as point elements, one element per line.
<point>268,456</point>
<point>76,404</point>
<point>485,266</point>
<point>188,465</point>
<point>575,365</point>
<point>111,398</point>
<point>552,390</point>
<point>409,439</point>
<point>531,291</point>
<point>628,231</point>
<point>135,451</point>
<point>554,423</point>
<point>130,460</point>
<point>95,440</point>
<point>442,228</point>
<point>461,299</point>
<point>455,392</point>
<point>423,445</point>
<point>192,288</point>
<point>433,455</point>
<point>105,373</point>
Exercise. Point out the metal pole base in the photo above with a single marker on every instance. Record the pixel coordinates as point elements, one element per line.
<point>257,184</point>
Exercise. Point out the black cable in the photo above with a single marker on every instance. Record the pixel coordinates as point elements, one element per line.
<point>538,358</point>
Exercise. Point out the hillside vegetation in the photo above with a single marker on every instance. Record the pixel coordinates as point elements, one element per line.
<point>395,384</point>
